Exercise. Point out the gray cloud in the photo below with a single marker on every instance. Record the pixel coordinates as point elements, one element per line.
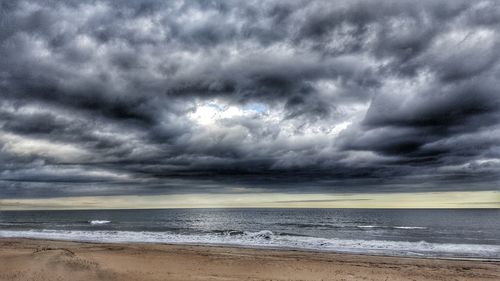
<point>155,97</point>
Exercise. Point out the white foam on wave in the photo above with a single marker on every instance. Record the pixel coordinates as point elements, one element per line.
<point>410,227</point>
<point>395,227</point>
<point>263,234</point>
<point>99,222</point>
<point>267,238</point>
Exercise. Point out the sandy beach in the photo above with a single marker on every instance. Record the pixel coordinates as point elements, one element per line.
<point>37,260</point>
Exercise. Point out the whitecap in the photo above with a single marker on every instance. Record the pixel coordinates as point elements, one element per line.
<point>99,222</point>
<point>263,234</point>
<point>410,227</point>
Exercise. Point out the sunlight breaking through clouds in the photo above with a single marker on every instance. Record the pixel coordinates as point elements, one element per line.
<point>180,97</point>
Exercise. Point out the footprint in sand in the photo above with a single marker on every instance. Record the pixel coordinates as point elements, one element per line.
<point>63,264</point>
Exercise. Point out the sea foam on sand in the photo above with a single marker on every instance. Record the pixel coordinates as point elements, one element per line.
<point>268,239</point>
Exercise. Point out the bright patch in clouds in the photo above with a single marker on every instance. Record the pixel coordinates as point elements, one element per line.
<point>211,112</point>
<point>271,96</point>
<point>217,115</point>
<point>23,146</point>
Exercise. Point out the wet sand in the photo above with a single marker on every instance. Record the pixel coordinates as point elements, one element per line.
<point>37,260</point>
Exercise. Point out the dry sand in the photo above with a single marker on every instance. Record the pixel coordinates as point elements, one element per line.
<point>37,260</point>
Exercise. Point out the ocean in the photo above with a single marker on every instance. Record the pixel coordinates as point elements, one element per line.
<point>450,233</point>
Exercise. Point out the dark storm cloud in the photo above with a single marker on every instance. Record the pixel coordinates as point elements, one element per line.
<point>159,97</point>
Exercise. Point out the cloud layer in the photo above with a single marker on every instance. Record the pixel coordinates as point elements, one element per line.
<point>161,97</point>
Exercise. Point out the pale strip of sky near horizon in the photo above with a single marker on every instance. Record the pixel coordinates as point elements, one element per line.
<point>468,199</point>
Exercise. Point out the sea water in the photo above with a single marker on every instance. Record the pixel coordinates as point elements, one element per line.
<point>450,233</point>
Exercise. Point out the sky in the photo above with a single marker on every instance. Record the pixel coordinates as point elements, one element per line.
<point>109,104</point>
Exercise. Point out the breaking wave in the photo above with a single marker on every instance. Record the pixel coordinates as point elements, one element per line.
<point>268,239</point>
<point>393,227</point>
<point>99,222</point>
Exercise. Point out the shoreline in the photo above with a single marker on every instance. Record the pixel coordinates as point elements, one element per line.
<point>270,247</point>
<point>263,248</point>
<point>113,261</point>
